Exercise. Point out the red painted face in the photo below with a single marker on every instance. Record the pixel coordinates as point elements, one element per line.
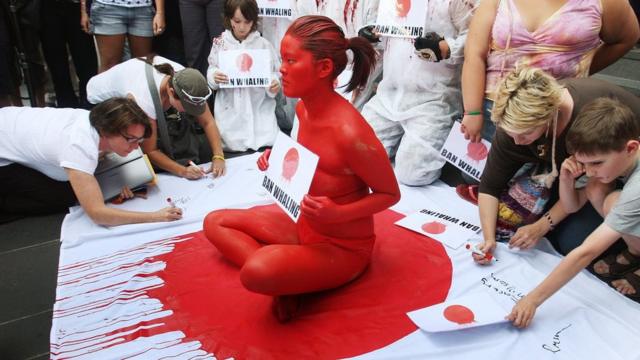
<point>299,73</point>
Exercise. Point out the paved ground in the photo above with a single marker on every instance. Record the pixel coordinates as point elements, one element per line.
<point>29,250</point>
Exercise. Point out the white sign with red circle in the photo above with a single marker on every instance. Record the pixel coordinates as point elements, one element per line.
<point>467,311</point>
<point>401,18</point>
<point>246,67</point>
<point>450,230</point>
<point>274,8</point>
<point>465,155</point>
<point>290,172</point>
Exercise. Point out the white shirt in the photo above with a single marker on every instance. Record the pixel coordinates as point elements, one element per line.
<point>48,140</point>
<point>128,78</point>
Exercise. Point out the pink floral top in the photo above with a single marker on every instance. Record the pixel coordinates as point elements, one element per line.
<point>563,45</point>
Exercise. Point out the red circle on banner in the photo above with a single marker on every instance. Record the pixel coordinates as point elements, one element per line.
<point>244,62</point>
<point>434,227</point>
<point>459,314</point>
<point>408,271</point>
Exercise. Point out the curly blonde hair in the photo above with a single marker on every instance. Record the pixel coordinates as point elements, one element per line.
<point>525,99</point>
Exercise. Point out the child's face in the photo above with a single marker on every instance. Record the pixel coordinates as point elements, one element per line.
<point>609,166</point>
<point>240,26</point>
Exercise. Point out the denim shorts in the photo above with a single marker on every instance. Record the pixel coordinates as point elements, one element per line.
<point>116,20</point>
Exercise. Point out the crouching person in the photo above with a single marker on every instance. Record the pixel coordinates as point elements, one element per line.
<point>48,157</point>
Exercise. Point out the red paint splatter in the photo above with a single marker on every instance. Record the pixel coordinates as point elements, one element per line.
<point>459,314</point>
<point>434,227</point>
<point>290,164</point>
<point>211,305</point>
<point>477,151</point>
<point>402,8</point>
<point>244,62</point>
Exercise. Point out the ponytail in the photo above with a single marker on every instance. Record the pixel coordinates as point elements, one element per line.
<point>364,59</point>
<point>325,40</point>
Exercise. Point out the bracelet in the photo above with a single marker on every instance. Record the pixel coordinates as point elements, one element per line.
<point>473,112</point>
<point>218,157</point>
<point>550,220</point>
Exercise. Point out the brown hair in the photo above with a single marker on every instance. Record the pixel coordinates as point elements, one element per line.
<point>248,8</point>
<point>163,68</point>
<point>603,125</point>
<point>325,40</point>
<point>115,115</point>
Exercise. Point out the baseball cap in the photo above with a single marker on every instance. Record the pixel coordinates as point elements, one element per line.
<point>192,89</point>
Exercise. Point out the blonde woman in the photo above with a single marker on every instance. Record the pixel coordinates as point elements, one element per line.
<point>528,104</point>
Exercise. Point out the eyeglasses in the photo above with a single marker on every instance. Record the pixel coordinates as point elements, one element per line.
<point>132,139</point>
<point>197,100</point>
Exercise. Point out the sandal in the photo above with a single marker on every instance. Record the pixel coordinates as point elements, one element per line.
<point>616,269</point>
<point>634,280</point>
<point>468,192</point>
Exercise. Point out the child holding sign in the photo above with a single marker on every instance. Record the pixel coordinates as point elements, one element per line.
<point>332,241</point>
<point>245,115</point>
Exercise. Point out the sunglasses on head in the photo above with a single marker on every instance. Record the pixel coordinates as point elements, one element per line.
<point>197,100</point>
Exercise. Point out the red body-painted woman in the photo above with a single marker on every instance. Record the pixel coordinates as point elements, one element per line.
<point>332,241</point>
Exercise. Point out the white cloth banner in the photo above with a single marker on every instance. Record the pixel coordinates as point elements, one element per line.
<point>103,273</point>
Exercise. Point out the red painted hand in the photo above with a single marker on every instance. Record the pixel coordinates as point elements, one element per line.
<point>263,161</point>
<point>320,208</point>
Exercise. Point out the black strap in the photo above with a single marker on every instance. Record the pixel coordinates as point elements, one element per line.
<point>163,132</point>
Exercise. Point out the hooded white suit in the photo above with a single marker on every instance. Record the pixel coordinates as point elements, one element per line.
<point>245,116</point>
<point>417,101</point>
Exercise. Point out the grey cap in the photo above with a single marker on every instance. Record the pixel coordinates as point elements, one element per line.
<point>192,89</point>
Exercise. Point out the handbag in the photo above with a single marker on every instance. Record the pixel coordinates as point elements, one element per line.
<point>179,136</point>
<point>524,201</point>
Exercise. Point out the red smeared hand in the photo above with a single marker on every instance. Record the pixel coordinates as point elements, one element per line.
<point>320,208</point>
<point>263,160</point>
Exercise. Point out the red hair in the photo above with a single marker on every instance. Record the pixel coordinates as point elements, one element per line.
<point>325,40</point>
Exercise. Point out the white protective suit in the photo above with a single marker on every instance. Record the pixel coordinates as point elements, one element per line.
<point>417,100</point>
<point>245,116</point>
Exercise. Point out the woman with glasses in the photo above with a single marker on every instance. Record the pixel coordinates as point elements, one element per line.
<point>48,157</point>
<point>181,88</point>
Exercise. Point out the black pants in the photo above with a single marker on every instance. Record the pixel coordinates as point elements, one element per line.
<point>201,22</point>
<point>61,27</point>
<point>25,191</point>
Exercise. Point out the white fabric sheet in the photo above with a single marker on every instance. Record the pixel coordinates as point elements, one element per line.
<point>585,320</point>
